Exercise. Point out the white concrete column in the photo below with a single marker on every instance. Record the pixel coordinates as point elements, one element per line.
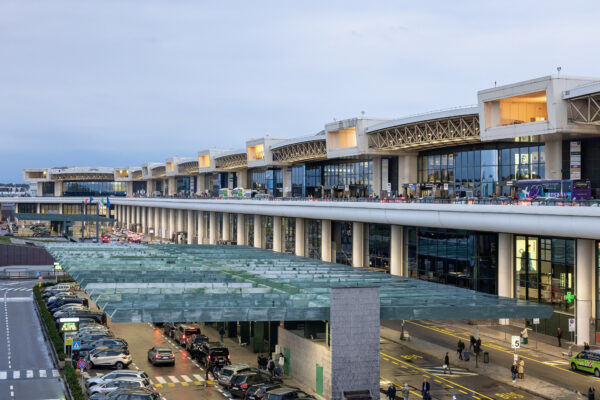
<point>149,218</point>
<point>200,226</point>
<point>553,158</point>
<point>396,249</point>
<point>191,219</point>
<point>164,226</point>
<point>212,229</point>
<point>326,240</point>
<point>172,185</point>
<point>107,210</point>
<point>144,220</point>
<point>407,171</point>
<point>241,229</point>
<point>585,283</point>
<point>277,236</point>
<point>258,232</point>
<point>179,227</point>
<point>129,217</point>
<point>299,238</point>
<point>58,188</point>
<point>171,223</point>
<point>358,244</point>
<point>505,270</point>
<point>377,176</point>
<point>226,227</point>
<point>138,218</point>
<point>156,221</point>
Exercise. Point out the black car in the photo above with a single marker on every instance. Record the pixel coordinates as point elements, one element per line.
<point>137,394</point>
<point>192,345</point>
<point>239,383</point>
<point>169,329</point>
<point>213,352</point>
<point>258,392</point>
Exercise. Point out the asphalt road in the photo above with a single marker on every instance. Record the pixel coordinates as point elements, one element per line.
<point>536,364</point>
<point>26,370</point>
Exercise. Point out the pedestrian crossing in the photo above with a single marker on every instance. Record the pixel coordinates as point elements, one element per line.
<point>556,362</point>
<point>167,380</point>
<point>454,371</point>
<point>15,289</point>
<point>28,374</point>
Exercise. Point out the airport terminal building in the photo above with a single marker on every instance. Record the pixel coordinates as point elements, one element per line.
<point>497,197</point>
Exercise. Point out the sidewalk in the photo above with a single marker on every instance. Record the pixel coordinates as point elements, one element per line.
<point>496,372</point>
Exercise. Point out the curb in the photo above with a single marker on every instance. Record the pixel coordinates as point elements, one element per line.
<point>469,367</point>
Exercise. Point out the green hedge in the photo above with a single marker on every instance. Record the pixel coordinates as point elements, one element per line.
<point>74,382</point>
<point>50,324</point>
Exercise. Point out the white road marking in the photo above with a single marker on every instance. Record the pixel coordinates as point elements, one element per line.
<point>151,381</point>
<point>42,373</point>
<point>173,379</point>
<point>161,380</point>
<point>2,374</point>
<point>55,373</point>
<point>198,378</point>
<point>16,374</point>
<point>29,373</point>
<point>556,362</point>
<point>186,378</point>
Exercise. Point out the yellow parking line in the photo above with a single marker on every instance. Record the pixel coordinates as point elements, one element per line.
<point>184,383</point>
<point>170,384</point>
<point>159,385</point>
<point>395,363</point>
<point>462,391</point>
<point>197,383</point>
<point>443,379</point>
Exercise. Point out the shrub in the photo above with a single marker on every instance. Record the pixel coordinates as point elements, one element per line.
<point>73,382</point>
<point>50,324</point>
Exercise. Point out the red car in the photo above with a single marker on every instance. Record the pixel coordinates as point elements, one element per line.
<point>105,239</point>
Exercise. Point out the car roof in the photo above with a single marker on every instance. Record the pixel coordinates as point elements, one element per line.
<point>283,390</point>
<point>236,366</point>
<point>163,349</point>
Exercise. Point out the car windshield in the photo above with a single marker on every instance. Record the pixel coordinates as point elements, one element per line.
<point>219,352</point>
<point>239,379</point>
<point>226,372</point>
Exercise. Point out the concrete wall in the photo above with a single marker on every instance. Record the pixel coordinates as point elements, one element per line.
<point>305,354</point>
<point>354,329</point>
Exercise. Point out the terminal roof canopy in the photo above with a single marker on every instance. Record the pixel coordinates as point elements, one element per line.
<point>159,283</point>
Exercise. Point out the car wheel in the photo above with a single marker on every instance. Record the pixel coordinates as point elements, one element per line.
<point>573,367</point>
<point>119,365</point>
<point>91,364</point>
<point>597,373</point>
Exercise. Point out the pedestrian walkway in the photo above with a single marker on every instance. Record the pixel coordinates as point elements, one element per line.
<point>16,374</point>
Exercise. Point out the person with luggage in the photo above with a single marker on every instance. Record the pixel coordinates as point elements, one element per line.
<point>460,347</point>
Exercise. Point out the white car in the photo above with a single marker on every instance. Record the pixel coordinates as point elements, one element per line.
<point>97,380</point>
<point>106,357</point>
<point>109,386</point>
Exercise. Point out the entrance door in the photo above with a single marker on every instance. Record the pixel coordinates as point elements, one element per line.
<point>527,268</point>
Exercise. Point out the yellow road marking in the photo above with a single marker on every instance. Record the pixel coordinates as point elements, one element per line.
<point>443,379</point>
<point>462,391</point>
<point>504,350</point>
<point>197,383</point>
<point>170,384</point>
<point>394,362</point>
<point>159,385</point>
<point>184,383</point>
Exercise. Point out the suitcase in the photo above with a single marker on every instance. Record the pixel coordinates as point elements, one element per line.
<point>466,355</point>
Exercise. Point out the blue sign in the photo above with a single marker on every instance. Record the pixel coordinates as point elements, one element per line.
<point>76,345</point>
<point>37,273</point>
<point>81,364</point>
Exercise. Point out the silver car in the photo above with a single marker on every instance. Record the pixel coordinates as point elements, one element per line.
<point>108,357</point>
<point>115,384</point>
<point>228,371</point>
<point>97,380</point>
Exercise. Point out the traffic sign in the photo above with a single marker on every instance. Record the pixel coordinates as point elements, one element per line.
<point>536,321</point>
<point>76,345</point>
<point>571,324</point>
<point>81,364</point>
<point>515,342</point>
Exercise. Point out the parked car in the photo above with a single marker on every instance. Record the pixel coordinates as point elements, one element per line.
<point>107,357</point>
<point>114,375</point>
<point>109,386</point>
<point>228,371</point>
<point>105,238</point>
<point>137,394</point>
<point>169,329</point>
<point>109,342</point>
<point>286,393</point>
<point>239,383</point>
<point>214,352</point>
<point>184,332</point>
<point>196,341</point>
<point>258,392</point>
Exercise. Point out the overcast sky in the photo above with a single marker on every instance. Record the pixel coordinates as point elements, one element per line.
<point>119,83</point>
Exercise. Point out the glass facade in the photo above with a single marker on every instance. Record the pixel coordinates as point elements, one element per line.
<point>310,180</point>
<point>344,253</point>
<point>94,188</point>
<point>26,208</point>
<point>481,170</point>
<point>313,238</point>
<point>49,208</point>
<point>298,182</point>
<point>268,181</point>
<point>71,208</point>
<point>466,259</point>
<point>379,246</point>
<point>545,270</point>
<point>289,234</point>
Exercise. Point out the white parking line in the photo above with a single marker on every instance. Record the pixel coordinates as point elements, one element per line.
<point>186,378</point>
<point>173,379</point>
<point>161,380</point>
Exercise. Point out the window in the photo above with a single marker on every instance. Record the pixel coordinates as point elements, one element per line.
<point>516,110</point>
<point>94,188</point>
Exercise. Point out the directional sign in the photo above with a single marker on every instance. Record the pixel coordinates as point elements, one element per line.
<point>571,324</point>
<point>536,321</point>
<point>515,342</point>
<point>76,345</point>
<point>81,364</point>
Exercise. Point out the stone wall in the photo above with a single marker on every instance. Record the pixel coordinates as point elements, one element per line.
<point>305,354</point>
<point>354,324</point>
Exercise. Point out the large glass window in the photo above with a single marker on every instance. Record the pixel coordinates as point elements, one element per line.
<point>313,238</point>
<point>94,188</point>
<point>379,246</point>
<point>289,234</point>
<point>462,258</point>
<point>545,270</point>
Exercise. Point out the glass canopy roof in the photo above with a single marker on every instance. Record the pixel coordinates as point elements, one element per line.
<point>161,283</point>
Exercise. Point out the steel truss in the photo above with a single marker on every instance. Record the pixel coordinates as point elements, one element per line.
<point>81,177</point>
<point>233,161</point>
<point>159,172</point>
<point>136,175</point>
<point>585,110</point>
<point>427,134</point>
<point>188,168</point>
<point>301,151</point>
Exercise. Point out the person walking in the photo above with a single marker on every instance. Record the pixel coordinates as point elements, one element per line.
<point>591,393</point>
<point>460,347</point>
<point>281,363</point>
<point>446,365</point>
<point>521,369</point>
<point>425,389</point>
<point>405,392</point>
<point>271,366</point>
<point>472,344</point>
<point>391,392</point>
<point>209,368</point>
<point>559,336</point>
<point>221,334</point>
<point>514,369</point>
